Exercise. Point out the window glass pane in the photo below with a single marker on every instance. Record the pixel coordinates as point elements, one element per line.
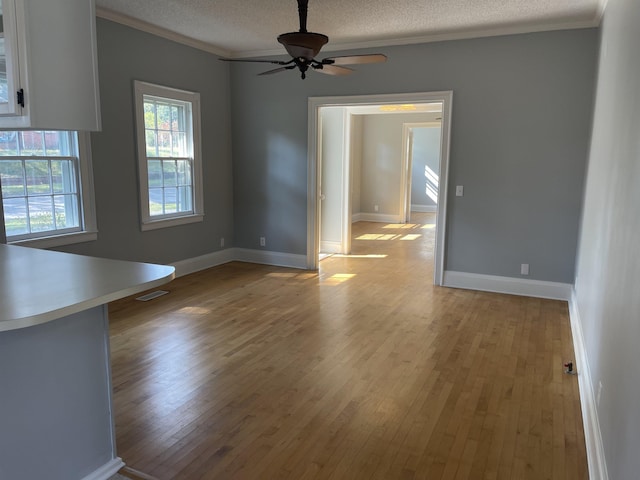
<point>15,216</point>
<point>38,181</point>
<point>184,172</point>
<point>12,178</point>
<point>66,211</point>
<point>151,143</point>
<point>185,199</point>
<point>170,201</point>
<point>155,201</point>
<point>164,116</point>
<point>32,143</point>
<point>149,115</point>
<point>154,173</point>
<point>63,176</point>
<point>177,118</point>
<point>8,143</point>
<point>53,144</point>
<point>169,173</point>
<point>4,94</point>
<point>179,144</point>
<point>41,213</point>
<point>164,144</point>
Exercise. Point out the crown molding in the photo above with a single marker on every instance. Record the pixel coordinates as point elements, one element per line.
<point>602,6</point>
<point>438,37</point>
<point>336,47</point>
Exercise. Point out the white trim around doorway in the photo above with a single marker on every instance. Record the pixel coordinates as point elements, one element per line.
<point>313,164</point>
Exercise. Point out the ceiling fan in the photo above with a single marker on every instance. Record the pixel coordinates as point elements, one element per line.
<point>303,46</point>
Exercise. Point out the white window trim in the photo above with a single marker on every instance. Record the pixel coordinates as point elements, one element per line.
<point>87,205</point>
<point>147,221</point>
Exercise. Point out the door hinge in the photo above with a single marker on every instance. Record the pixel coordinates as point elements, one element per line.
<point>21,97</point>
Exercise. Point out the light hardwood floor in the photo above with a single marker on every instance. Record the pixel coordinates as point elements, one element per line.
<point>363,370</point>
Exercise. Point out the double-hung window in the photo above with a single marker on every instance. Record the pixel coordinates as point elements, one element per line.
<point>47,197</point>
<point>169,155</point>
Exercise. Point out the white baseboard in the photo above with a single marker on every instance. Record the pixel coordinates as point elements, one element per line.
<point>330,247</point>
<point>278,259</point>
<point>592,435</point>
<point>106,471</point>
<point>191,265</point>
<point>509,285</point>
<point>424,208</point>
<point>376,217</point>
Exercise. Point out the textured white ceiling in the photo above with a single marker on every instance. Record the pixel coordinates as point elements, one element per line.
<point>243,28</point>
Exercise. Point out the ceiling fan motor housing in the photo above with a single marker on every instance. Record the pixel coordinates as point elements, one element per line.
<point>303,44</point>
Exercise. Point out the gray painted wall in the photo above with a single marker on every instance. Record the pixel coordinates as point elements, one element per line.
<point>521,123</point>
<point>125,55</point>
<point>426,154</point>
<point>608,269</point>
<point>382,161</point>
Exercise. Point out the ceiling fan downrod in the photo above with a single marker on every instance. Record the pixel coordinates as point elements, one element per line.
<point>302,13</point>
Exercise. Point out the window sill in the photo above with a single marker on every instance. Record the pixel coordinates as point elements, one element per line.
<point>171,222</point>
<point>57,240</point>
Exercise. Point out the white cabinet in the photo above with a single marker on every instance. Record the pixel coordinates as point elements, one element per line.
<point>49,65</point>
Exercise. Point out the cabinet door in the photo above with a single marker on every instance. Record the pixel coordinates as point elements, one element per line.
<point>9,71</point>
<point>51,57</point>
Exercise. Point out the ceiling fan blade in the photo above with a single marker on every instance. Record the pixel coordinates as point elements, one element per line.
<point>256,60</point>
<point>355,59</point>
<point>277,70</point>
<point>333,70</point>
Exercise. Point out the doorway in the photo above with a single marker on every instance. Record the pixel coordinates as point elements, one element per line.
<point>421,154</point>
<point>343,110</point>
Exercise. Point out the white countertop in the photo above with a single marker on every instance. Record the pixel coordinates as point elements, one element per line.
<point>38,286</point>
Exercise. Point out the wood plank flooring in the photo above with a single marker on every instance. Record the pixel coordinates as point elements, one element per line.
<point>363,370</point>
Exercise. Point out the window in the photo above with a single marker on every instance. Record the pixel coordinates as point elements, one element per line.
<point>47,197</point>
<point>169,159</point>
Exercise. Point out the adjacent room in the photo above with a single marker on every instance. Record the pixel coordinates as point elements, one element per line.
<point>401,247</point>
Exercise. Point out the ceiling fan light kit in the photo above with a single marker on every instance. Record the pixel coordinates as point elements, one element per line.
<point>304,46</point>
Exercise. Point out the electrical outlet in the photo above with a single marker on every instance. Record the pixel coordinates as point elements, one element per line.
<point>524,269</point>
<point>263,241</point>
<point>376,208</point>
<point>599,394</point>
<point>222,241</point>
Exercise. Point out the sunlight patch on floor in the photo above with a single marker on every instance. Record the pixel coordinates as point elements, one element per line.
<point>412,236</point>
<point>370,255</point>
<point>281,275</point>
<point>338,278</point>
<point>402,225</point>
<point>194,310</point>
<point>377,236</point>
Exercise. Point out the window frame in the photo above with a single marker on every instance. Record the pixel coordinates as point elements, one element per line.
<point>147,221</point>
<point>87,208</point>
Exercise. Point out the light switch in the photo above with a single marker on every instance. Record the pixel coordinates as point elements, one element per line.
<point>459,191</point>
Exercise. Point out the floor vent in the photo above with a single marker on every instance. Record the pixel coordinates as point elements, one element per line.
<point>152,295</point>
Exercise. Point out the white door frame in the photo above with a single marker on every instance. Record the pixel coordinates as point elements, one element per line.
<point>313,165</point>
